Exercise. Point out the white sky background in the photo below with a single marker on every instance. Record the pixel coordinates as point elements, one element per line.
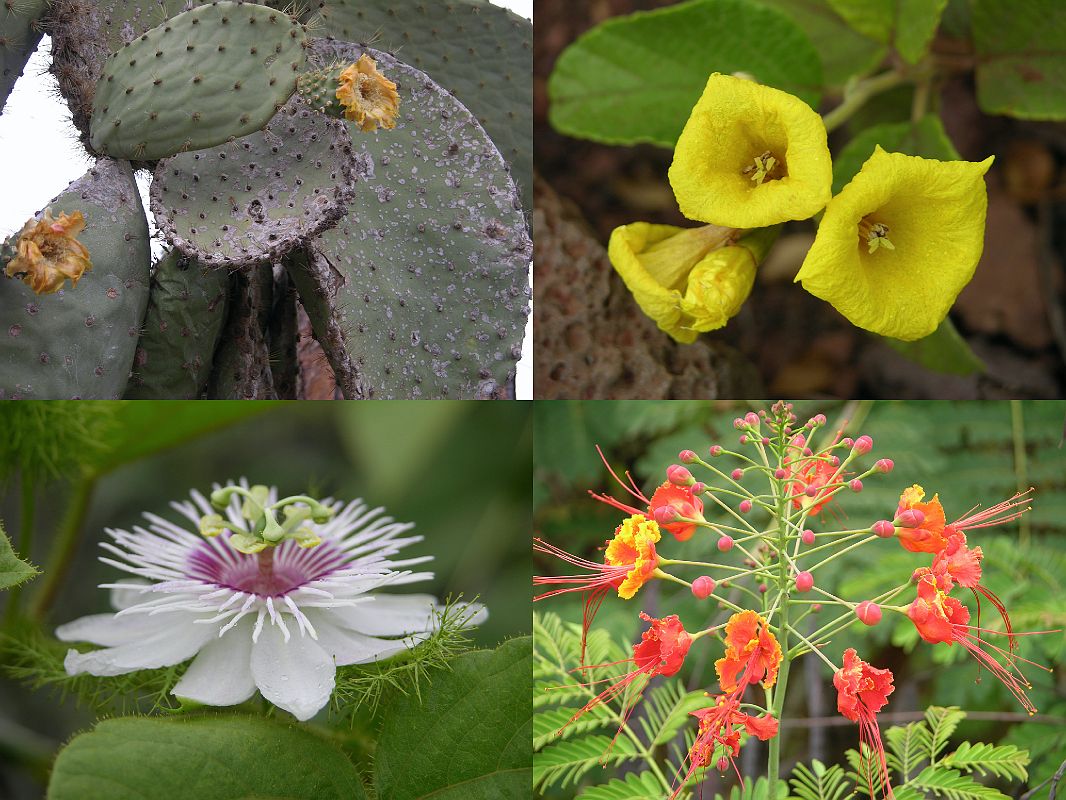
<point>40,155</point>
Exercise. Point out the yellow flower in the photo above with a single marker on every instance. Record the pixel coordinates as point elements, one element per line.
<point>369,98</point>
<point>49,253</point>
<point>688,280</point>
<point>751,156</point>
<point>634,544</point>
<point>899,243</point>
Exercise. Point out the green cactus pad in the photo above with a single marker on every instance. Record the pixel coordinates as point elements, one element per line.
<point>256,198</point>
<point>79,342</point>
<point>197,80</point>
<point>481,52</point>
<point>421,290</point>
<point>186,310</point>
<point>242,362</point>
<point>18,39</point>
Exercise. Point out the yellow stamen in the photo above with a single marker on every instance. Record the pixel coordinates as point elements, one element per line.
<point>875,234</point>
<point>763,169</point>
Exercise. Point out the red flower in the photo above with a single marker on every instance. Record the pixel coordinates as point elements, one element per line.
<point>957,563</point>
<point>630,561</point>
<point>661,651</point>
<point>677,498</point>
<point>752,652</point>
<point>940,618</point>
<point>807,484</point>
<point>718,728</point>
<point>862,691</point>
<point>928,535</point>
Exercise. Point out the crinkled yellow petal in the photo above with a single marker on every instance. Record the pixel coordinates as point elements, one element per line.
<point>48,254</point>
<point>734,122</point>
<point>369,98</point>
<point>718,287</point>
<point>935,215</point>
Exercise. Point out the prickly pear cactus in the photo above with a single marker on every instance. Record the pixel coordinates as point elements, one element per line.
<point>260,196</point>
<point>480,52</point>
<point>19,35</point>
<point>420,292</point>
<point>80,342</point>
<point>186,312</point>
<point>196,80</point>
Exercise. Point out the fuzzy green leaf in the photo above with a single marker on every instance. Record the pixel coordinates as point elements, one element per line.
<point>13,570</point>
<point>644,786</point>
<point>208,757</point>
<point>1003,761</point>
<point>1021,57</point>
<point>907,25</point>
<point>468,737</point>
<point>951,785</point>
<point>636,78</point>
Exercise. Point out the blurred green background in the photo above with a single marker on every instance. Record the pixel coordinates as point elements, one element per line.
<point>977,452</point>
<point>461,471</point>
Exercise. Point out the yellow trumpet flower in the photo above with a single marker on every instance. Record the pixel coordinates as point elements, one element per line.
<point>751,156</point>
<point>899,243</point>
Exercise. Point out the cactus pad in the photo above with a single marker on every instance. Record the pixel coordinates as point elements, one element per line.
<point>18,39</point>
<point>260,196</point>
<point>427,274</point>
<point>480,52</point>
<point>80,342</point>
<point>196,80</point>
<point>186,310</point>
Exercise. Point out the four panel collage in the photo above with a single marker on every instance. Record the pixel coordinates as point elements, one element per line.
<point>766,303</point>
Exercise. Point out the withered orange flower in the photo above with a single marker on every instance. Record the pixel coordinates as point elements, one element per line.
<point>49,253</point>
<point>369,98</point>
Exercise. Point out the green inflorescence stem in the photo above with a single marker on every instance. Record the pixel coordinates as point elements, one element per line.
<point>26,522</point>
<point>65,545</point>
<point>773,769</point>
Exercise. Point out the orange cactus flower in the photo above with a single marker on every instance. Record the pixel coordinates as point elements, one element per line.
<point>926,536</point>
<point>678,501</point>
<point>940,618</point>
<point>369,98</point>
<point>661,651</point>
<point>630,561</point>
<point>752,653</point>
<point>862,691</point>
<point>49,253</point>
<point>719,727</point>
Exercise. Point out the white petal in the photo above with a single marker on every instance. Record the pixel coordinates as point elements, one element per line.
<point>221,674</point>
<point>390,615</point>
<point>110,631</point>
<point>297,675</point>
<point>126,597</point>
<point>349,647</point>
<point>178,642</point>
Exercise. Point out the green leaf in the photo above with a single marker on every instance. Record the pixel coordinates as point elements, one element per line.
<point>909,745</point>
<point>565,762</point>
<point>944,350</point>
<point>942,722</point>
<point>644,786</point>
<point>950,785</point>
<point>207,757</point>
<point>817,782</point>
<point>555,724</point>
<point>140,429</point>
<point>907,25</point>
<point>1021,57</point>
<point>1003,761</point>
<point>13,570</point>
<point>636,78</point>
<point>844,51</point>
<point>925,138</point>
<point>469,737</point>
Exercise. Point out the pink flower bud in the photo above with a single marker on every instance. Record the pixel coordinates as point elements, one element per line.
<point>725,544</point>
<point>687,457</point>
<point>799,440</point>
<point>911,518</point>
<point>745,506</point>
<point>884,528</point>
<point>752,419</point>
<point>698,488</point>
<point>664,515</point>
<point>762,588</point>
<point>884,465</point>
<point>868,613</point>
<point>703,586</point>
<point>737,474</point>
<point>834,461</point>
<point>766,440</point>
<point>863,445</point>
<point>716,450</point>
<point>808,537</point>
<point>804,582</point>
<point>679,476</point>
<point>848,442</point>
<point>818,419</point>
<point>807,451</point>
<point>744,439</point>
<point>739,424</point>
<point>811,491</point>
<point>855,485</point>
<point>780,473</point>
<point>816,608</point>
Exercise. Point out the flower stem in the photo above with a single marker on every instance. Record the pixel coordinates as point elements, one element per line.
<point>26,519</point>
<point>65,546</point>
<point>859,94</point>
<point>773,769</point>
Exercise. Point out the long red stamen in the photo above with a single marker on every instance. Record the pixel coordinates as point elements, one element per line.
<point>632,487</point>
<point>998,514</point>
<point>870,735</point>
